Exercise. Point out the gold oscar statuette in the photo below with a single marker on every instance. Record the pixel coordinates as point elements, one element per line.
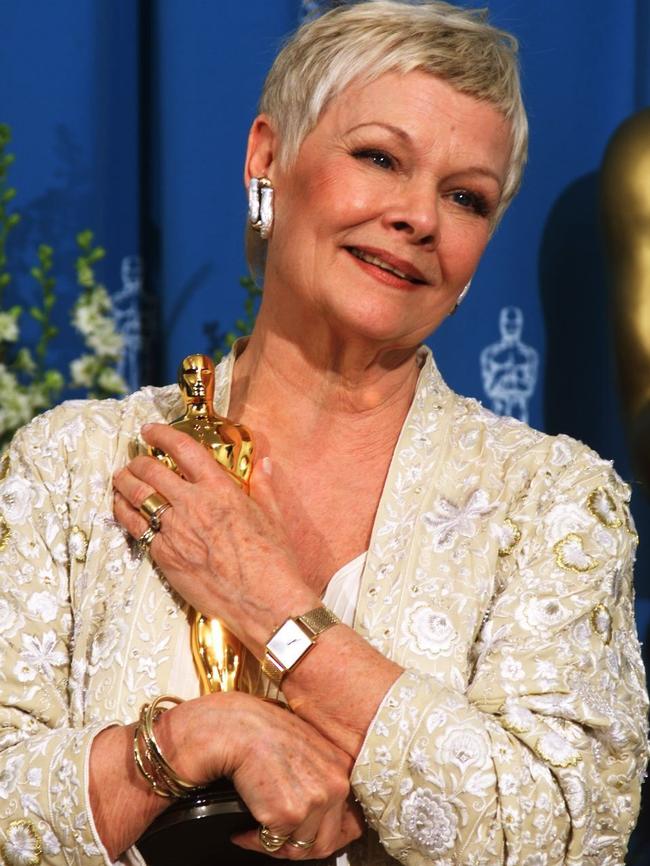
<point>197,829</point>
<point>218,654</point>
<point>625,212</point>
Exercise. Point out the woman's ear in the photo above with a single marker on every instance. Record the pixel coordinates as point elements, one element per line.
<point>262,150</point>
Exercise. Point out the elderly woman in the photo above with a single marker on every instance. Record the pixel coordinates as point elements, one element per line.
<point>475,679</point>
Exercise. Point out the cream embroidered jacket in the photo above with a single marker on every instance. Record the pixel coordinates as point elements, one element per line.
<point>498,574</point>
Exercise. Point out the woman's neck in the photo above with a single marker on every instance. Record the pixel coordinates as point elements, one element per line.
<point>322,394</point>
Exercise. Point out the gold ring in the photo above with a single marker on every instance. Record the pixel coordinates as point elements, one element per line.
<point>270,841</point>
<point>146,538</point>
<point>153,508</point>
<point>303,844</point>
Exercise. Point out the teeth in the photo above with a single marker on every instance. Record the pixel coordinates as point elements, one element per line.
<point>380,263</point>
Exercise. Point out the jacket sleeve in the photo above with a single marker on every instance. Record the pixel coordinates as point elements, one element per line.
<point>44,810</point>
<point>539,760</point>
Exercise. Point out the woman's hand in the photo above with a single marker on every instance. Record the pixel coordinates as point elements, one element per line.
<point>224,552</point>
<point>292,779</point>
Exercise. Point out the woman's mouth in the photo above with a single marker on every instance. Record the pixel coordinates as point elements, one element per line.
<point>389,265</point>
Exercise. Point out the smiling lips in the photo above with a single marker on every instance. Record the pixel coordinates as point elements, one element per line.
<point>388,263</point>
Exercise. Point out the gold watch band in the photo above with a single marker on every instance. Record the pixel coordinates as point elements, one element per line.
<point>318,620</point>
<point>312,623</point>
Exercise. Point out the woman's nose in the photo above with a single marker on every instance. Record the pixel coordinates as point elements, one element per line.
<point>415,214</point>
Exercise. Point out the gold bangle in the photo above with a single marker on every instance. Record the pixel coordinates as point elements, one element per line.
<point>140,764</point>
<point>150,760</point>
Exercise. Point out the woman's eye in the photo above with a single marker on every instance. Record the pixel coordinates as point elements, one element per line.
<point>378,157</point>
<point>472,201</point>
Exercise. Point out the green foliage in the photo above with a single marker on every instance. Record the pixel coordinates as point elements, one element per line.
<point>27,384</point>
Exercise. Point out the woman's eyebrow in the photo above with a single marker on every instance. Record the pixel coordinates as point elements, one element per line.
<point>396,130</point>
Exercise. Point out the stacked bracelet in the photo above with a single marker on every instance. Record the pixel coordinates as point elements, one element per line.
<point>149,759</point>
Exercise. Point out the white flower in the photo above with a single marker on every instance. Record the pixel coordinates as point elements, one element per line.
<point>35,777</point>
<point>429,821</point>
<point>24,672</point>
<point>556,751</point>
<point>16,499</point>
<point>418,760</point>
<point>432,630</point>
<point>540,614</point>
<point>43,605</point>
<point>105,645</point>
<point>41,653</point>
<point>545,670</point>
<point>462,747</point>
<point>508,783</point>
<point>17,406</point>
<point>9,775</point>
<point>382,755</point>
<point>77,544</point>
<point>11,620</point>
<point>8,328</point>
<point>563,519</point>
<point>110,380</point>
<point>570,554</point>
<point>23,845</point>
<point>447,521</point>
<point>82,369</point>
<point>511,669</point>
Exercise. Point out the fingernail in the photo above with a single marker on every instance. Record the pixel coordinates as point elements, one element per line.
<point>146,427</point>
<point>266,465</point>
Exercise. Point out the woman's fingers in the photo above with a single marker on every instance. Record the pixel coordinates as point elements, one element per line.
<point>318,837</point>
<point>131,519</point>
<point>193,460</point>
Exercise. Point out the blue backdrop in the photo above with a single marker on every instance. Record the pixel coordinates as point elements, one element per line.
<point>130,117</point>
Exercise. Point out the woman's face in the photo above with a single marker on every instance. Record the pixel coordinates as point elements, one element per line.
<point>382,218</point>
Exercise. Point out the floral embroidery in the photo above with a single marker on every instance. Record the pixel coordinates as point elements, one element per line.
<point>629,525</point>
<point>16,499</point>
<point>430,821</point>
<point>538,614</point>
<point>603,507</point>
<point>5,532</point>
<point>555,749</point>
<point>447,521</point>
<point>78,544</point>
<point>570,554</point>
<point>431,630</point>
<point>601,622</point>
<point>510,537</point>
<point>40,655</point>
<point>4,467</point>
<point>463,747</point>
<point>23,846</point>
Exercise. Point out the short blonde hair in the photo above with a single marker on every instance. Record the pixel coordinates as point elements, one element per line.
<point>367,39</point>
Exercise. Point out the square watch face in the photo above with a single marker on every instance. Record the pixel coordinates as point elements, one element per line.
<point>289,643</point>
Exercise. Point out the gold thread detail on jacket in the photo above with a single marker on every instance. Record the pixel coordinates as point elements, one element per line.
<point>555,750</point>
<point>4,466</point>
<point>515,537</point>
<point>601,623</point>
<point>513,724</point>
<point>23,845</point>
<point>5,532</point>
<point>570,555</point>
<point>602,505</point>
<point>629,527</point>
<point>78,544</point>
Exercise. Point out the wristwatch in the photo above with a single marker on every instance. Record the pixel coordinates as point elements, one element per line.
<point>292,641</point>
